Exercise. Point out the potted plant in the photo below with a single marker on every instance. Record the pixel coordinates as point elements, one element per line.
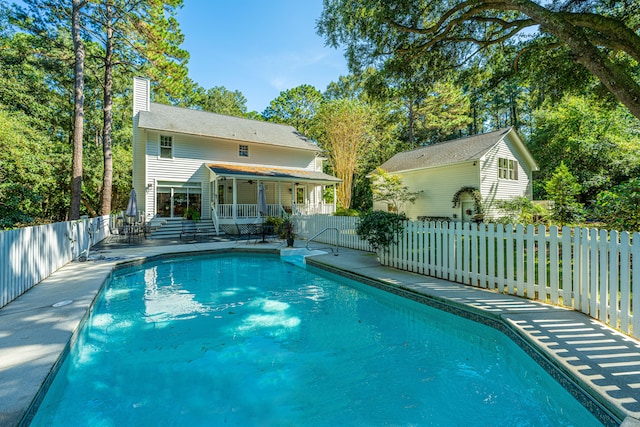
<point>287,227</point>
<point>193,214</point>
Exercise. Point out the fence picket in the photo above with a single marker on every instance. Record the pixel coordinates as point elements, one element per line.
<point>492,259</point>
<point>603,276</point>
<point>625,288</point>
<point>635,284</point>
<point>482,255</point>
<point>585,275</point>
<point>567,269</point>
<point>553,285</point>
<point>614,265</point>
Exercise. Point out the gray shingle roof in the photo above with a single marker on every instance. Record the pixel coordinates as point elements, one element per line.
<point>445,153</point>
<point>194,122</point>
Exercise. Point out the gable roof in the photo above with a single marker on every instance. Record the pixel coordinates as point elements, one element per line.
<point>166,118</point>
<point>455,151</point>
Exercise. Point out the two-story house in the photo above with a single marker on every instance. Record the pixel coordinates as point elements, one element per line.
<point>218,166</point>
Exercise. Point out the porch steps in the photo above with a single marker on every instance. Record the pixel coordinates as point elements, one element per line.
<point>170,228</point>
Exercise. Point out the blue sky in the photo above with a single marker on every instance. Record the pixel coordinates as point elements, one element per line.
<point>258,47</point>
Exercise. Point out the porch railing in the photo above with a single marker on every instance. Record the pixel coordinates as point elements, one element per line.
<point>225,211</point>
<point>315,209</point>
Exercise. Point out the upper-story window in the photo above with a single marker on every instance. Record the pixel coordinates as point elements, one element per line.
<point>507,168</point>
<point>243,150</point>
<point>166,147</point>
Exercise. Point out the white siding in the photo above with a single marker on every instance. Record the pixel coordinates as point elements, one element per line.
<point>190,153</point>
<point>493,188</point>
<point>141,95</point>
<point>437,186</point>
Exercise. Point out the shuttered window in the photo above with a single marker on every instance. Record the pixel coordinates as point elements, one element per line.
<point>507,169</point>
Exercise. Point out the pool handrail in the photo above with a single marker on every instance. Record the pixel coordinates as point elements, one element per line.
<point>321,232</point>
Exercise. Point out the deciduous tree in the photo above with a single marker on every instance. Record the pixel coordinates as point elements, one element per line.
<point>601,38</point>
<point>345,135</point>
<point>389,188</point>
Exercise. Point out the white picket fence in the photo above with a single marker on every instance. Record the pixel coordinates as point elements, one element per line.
<point>588,270</point>
<point>29,255</point>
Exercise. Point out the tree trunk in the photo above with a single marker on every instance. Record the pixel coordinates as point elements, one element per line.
<point>107,176</point>
<point>613,77</point>
<point>78,111</point>
<point>411,135</point>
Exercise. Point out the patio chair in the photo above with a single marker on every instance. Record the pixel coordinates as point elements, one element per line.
<point>188,229</point>
<point>248,231</point>
<point>117,226</point>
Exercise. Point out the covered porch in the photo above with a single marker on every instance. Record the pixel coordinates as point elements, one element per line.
<point>237,191</point>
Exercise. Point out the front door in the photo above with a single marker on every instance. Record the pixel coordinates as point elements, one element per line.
<point>467,211</point>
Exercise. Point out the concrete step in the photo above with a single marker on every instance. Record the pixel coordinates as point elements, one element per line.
<point>171,228</point>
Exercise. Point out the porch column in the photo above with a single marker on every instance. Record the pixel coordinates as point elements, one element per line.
<point>280,196</point>
<point>335,197</point>
<point>235,200</point>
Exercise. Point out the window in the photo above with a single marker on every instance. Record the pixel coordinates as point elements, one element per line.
<point>507,169</point>
<point>243,150</point>
<point>166,147</point>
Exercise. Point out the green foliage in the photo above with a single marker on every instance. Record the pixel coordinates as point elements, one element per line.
<point>563,189</point>
<point>521,210</point>
<point>619,207</point>
<point>388,188</point>
<point>296,107</point>
<point>192,214</point>
<point>346,212</point>
<point>380,228</point>
<point>419,34</point>
<point>25,172</point>
<point>275,221</point>
<point>598,142</point>
<point>475,193</point>
<point>223,101</point>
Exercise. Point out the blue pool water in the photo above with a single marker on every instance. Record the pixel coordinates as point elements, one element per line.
<point>248,340</point>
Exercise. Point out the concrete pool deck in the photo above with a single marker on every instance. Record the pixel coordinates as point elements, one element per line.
<point>35,329</point>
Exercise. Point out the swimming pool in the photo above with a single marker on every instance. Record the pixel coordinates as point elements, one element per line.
<point>250,340</point>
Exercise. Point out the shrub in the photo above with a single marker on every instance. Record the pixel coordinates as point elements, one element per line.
<point>563,188</point>
<point>619,207</point>
<point>521,210</point>
<point>380,228</point>
<point>346,212</point>
<point>276,222</point>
